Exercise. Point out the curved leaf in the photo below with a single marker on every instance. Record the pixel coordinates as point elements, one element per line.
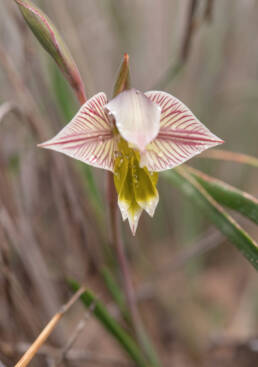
<point>224,222</point>
<point>228,195</point>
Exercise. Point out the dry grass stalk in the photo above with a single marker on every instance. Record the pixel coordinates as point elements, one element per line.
<point>79,328</point>
<point>27,357</point>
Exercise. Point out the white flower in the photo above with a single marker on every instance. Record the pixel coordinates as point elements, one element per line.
<point>135,136</point>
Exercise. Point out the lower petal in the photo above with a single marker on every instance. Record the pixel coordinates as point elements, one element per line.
<point>136,187</point>
<point>146,194</point>
<point>123,180</point>
<point>134,213</point>
<point>131,211</point>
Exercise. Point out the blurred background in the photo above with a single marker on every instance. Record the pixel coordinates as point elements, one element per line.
<point>197,295</point>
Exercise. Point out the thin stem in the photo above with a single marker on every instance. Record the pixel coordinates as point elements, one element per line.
<point>209,10</point>
<point>80,94</point>
<point>30,353</point>
<point>71,341</point>
<point>74,356</point>
<point>119,246</point>
<point>188,31</point>
<point>124,266</point>
<point>178,66</point>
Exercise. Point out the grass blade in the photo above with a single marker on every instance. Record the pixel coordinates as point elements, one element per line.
<point>224,222</point>
<point>228,195</point>
<point>225,155</point>
<point>116,293</point>
<point>112,326</point>
<point>120,301</point>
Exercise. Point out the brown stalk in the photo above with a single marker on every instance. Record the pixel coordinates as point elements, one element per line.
<point>27,357</point>
<point>176,68</point>
<point>73,355</point>
<point>208,12</point>
<point>189,31</point>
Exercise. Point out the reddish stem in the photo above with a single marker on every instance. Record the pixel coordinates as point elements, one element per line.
<point>122,259</point>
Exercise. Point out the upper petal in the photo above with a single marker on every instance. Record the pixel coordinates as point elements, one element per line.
<point>137,117</point>
<point>181,135</point>
<point>88,137</point>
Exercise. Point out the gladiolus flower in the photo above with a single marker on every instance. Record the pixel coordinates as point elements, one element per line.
<point>135,135</point>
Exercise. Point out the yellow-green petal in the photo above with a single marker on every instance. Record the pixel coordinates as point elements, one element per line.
<point>145,191</point>
<point>136,186</point>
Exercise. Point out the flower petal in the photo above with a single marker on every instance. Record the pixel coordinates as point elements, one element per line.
<point>144,183</point>
<point>137,118</point>
<point>136,187</point>
<point>88,137</point>
<point>134,213</point>
<point>180,138</point>
<point>126,198</point>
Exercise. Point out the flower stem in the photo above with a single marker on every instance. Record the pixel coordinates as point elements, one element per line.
<point>119,246</point>
<point>124,267</point>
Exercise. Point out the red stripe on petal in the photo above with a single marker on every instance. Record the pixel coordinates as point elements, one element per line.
<point>88,137</point>
<point>181,135</point>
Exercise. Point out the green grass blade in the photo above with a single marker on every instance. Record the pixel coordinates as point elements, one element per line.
<point>112,326</point>
<point>228,195</point>
<point>120,301</point>
<point>116,293</point>
<point>224,222</point>
<point>65,99</point>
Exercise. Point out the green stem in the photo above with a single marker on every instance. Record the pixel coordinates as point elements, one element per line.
<point>111,325</point>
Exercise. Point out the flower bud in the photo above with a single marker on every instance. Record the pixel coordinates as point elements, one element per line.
<point>123,78</point>
<point>50,39</point>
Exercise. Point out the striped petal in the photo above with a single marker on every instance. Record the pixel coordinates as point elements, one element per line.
<point>137,118</point>
<point>88,137</point>
<point>180,138</point>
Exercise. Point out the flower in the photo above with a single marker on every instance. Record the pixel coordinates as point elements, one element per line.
<point>135,135</point>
